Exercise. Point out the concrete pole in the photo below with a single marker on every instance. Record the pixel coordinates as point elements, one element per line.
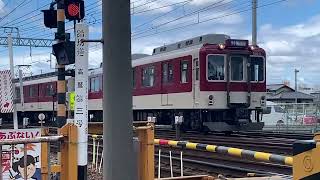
<point>254,22</point>
<point>117,92</point>
<point>15,115</point>
<point>21,95</point>
<point>295,80</point>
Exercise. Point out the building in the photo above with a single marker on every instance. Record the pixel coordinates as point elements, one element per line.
<point>281,93</point>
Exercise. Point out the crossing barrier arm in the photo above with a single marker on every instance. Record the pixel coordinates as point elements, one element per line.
<point>236,152</point>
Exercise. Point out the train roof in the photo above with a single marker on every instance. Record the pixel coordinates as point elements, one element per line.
<point>200,40</point>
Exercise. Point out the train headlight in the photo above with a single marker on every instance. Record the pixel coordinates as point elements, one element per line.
<point>211,100</point>
<point>222,46</point>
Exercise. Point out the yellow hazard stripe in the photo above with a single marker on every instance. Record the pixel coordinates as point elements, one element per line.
<point>262,156</point>
<point>173,143</point>
<point>156,141</point>
<point>211,148</point>
<point>288,161</point>
<point>191,145</point>
<point>235,151</point>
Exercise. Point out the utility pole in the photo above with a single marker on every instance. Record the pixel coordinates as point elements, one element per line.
<point>21,93</point>
<point>117,92</point>
<point>254,22</point>
<point>295,80</point>
<point>15,115</point>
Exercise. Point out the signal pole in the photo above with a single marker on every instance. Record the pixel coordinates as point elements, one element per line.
<point>254,22</point>
<point>117,92</point>
<point>61,85</point>
<point>60,36</point>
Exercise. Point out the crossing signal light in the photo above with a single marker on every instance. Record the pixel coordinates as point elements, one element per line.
<point>74,9</point>
<point>64,52</point>
<point>50,18</point>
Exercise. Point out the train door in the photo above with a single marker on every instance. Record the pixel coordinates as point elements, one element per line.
<point>196,81</point>
<point>237,74</point>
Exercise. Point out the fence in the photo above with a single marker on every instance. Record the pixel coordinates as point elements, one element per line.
<point>304,117</point>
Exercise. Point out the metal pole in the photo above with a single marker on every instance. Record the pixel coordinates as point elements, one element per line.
<point>296,90</point>
<point>117,91</point>
<point>171,170</point>
<point>254,22</point>
<point>21,96</point>
<point>159,164</point>
<point>15,115</point>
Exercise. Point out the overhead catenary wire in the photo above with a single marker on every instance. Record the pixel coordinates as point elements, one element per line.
<point>15,8</point>
<point>211,19</point>
<point>206,8</point>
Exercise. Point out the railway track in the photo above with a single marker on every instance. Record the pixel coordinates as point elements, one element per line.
<point>201,162</point>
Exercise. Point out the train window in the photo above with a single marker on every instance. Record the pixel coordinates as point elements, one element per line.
<point>148,76</point>
<point>164,72</point>
<point>215,67</point>
<point>33,91</point>
<point>257,62</point>
<point>167,73</point>
<point>18,92</point>
<point>95,84</point>
<point>49,90</point>
<point>170,70</point>
<point>184,71</point>
<point>236,68</point>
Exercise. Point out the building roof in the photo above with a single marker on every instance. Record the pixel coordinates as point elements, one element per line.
<point>292,95</point>
<point>274,87</point>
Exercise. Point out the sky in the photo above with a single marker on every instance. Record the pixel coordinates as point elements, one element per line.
<point>289,31</point>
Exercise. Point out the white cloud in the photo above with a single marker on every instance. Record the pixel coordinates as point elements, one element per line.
<point>295,46</point>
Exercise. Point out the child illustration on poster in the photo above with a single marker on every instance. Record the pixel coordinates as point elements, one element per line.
<point>33,173</point>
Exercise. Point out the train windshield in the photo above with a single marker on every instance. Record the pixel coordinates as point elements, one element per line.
<point>215,67</point>
<point>257,69</point>
<point>236,63</point>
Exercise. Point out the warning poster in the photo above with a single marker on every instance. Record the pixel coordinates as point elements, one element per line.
<point>13,157</point>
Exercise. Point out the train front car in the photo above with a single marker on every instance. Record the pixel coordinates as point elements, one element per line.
<point>232,86</point>
<point>210,82</point>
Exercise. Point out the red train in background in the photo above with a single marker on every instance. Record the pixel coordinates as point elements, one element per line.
<point>214,82</point>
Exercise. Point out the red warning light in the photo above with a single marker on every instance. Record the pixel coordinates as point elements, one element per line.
<point>73,9</point>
